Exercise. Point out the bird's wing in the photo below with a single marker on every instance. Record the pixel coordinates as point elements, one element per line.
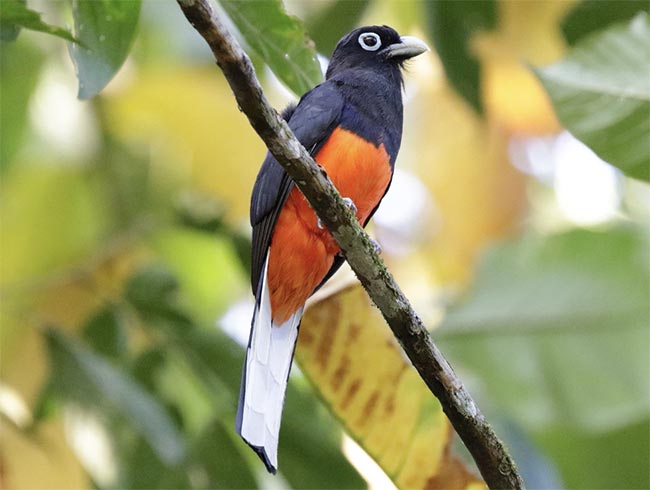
<point>312,121</point>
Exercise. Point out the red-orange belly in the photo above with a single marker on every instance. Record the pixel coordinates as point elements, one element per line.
<point>301,253</point>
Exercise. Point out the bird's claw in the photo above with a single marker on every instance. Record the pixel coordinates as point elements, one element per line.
<point>349,203</point>
<point>376,246</point>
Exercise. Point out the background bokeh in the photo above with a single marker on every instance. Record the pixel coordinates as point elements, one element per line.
<point>124,257</point>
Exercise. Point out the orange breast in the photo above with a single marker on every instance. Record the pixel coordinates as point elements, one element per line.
<point>301,253</point>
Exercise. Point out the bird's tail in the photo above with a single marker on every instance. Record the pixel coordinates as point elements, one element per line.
<point>264,380</point>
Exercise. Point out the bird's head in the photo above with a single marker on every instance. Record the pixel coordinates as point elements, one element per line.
<point>374,47</point>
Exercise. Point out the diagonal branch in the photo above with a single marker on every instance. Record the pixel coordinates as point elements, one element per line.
<point>494,463</point>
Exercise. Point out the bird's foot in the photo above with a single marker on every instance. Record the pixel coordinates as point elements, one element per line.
<point>376,246</point>
<point>349,203</point>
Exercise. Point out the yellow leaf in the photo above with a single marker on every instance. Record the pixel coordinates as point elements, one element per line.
<point>463,161</point>
<point>515,99</point>
<point>528,32</point>
<point>64,299</point>
<point>26,465</point>
<point>190,120</point>
<point>351,356</point>
<point>46,204</point>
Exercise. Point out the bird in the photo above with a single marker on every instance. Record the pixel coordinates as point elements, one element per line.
<point>351,124</point>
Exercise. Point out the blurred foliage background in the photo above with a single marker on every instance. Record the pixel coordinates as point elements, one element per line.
<point>126,172</point>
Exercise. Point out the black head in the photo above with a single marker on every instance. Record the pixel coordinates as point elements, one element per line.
<point>373,47</point>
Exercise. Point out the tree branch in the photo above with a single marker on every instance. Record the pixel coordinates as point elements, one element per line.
<point>494,463</point>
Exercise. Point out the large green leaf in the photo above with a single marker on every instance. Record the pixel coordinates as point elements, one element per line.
<point>592,15</point>
<point>106,29</point>
<point>452,25</point>
<point>613,459</point>
<point>86,379</point>
<point>279,39</point>
<point>14,14</point>
<point>557,329</point>
<point>601,93</point>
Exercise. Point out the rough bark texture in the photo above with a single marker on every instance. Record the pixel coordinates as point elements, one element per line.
<point>496,466</point>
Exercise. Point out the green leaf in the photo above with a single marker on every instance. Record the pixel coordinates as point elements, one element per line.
<point>601,93</point>
<point>310,444</point>
<point>613,459</point>
<point>85,378</point>
<point>213,453</point>
<point>220,459</point>
<point>207,269</point>
<point>141,468</point>
<point>334,21</point>
<point>106,333</point>
<point>309,439</point>
<point>14,14</point>
<point>279,39</point>
<point>593,15</point>
<point>557,329</point>
<point>147,367</point>
<point>20,65</point>
<point>207,214</point>
<point>106,29</point>
<point>151,288</point>
<point>46,405</point>
<point>452,25</point>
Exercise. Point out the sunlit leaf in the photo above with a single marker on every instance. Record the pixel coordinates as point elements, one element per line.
<point>106,30</point>
<point>204,213</point>
<point>601,93</point>
<point>279,39</point>
<point>20,65</point>
<point>38,205</point>
<point>188,118</point>
<point>592,15</point>
<point>14,14</point>
<point>465,165</point>
<point>87,379</point>
<point>353,360</point>
<point>452,25</point>
<point>206,267</point>
<point>553,327</point>
<point>527,34</point>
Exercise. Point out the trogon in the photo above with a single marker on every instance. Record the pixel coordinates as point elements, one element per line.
<point>352,125</point>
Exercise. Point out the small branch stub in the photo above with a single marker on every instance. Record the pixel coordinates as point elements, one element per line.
<point>492,459</point>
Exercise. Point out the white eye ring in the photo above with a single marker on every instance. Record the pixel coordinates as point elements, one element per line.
<point>374,46</point>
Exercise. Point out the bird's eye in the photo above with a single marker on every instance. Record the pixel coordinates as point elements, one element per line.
<point>370,41</point>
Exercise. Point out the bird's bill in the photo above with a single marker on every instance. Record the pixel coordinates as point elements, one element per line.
<point>408,47</point>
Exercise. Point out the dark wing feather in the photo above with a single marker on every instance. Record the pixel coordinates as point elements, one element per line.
<point>312,121</point>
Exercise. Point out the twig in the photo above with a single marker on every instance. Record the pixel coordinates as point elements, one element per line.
<point>492,459</point>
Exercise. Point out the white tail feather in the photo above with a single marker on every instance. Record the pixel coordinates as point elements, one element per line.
<point>268,362</point>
